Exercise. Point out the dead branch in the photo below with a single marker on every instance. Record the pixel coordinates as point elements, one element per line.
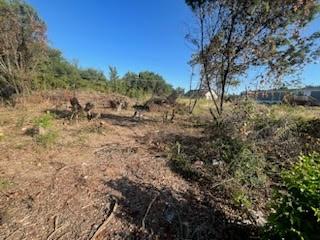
<point>148,210</point>
<point>104,225</point>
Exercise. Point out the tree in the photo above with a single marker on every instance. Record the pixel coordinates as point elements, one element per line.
<point>180,91</point>
<point>56,72</point>
<point>114,78</point>
<point>22,44</point>
<point>234,36</point>
<point>153,83</point>
<point>146,82</point>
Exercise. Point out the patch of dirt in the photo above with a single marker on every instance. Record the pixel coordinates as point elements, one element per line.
<point>70,190</point>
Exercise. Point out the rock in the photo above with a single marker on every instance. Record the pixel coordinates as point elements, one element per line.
<point>198,163</point>
<point>217,163</point>
<point>259,217</point>
<point>169,213</point>
<point>41,131</point>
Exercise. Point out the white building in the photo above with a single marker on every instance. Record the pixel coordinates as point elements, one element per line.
<point>201,94</point>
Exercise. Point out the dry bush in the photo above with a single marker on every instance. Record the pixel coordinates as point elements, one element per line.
<point>244,153</point>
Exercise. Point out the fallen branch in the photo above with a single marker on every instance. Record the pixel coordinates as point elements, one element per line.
<point>222,182</point>
<point>55,221</point>
<point>103,226</point>
<point>148,210</point>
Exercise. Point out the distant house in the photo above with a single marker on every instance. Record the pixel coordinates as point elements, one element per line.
<point>273,96</point>
<point>313,92</point>
<point>201,94</point>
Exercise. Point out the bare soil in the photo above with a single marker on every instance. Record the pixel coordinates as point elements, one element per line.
<point>108,170</point>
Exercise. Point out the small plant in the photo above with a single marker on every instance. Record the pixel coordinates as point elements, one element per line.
<point>181,164</point>
<point>42,131</point>
<point>4,184</point>
<point>45,121</point>
<point>241,199</point>
<point>297,206</point>
<point>47,138</point>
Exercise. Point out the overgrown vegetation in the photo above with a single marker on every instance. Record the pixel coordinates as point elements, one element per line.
<point>246,152</point>
<point>297,205</point>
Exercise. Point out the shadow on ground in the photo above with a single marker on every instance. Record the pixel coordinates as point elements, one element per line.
<point>115,119</point>
<point>120,120</point>
<point>173,215</point>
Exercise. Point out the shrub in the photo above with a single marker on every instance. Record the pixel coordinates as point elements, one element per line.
<point>249,169</point>
<point>181,164</point>
<point>297,207</point>
<point>45,121</point>
<point>42,131</point>
<point>241,199</point>
<point>47,138</point>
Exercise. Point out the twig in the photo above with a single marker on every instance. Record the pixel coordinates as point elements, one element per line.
<point>103,226</point>
<point>222,182</point>
<point>55,221</point>
<point>148,210</point>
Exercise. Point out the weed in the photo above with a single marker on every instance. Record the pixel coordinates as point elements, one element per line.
<point>47,139</point>
<point>4,184</point>
<point>45,121</point>
<point>180,163</point>
<point>296,206</point>
<point>241,199</point>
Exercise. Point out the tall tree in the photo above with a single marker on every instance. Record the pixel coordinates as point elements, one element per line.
<point>22,44</point>
<point>114,78</point>
<point>233,36</point>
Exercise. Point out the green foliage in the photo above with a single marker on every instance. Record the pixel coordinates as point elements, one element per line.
<point>297,207</point>
<point>248,168</point>
<point>181,163</point>
<point>138,85</point>
<point>4,184</point>
<point>241,199</point>
<point>23,43</point>
<point>228,148</point>
<point>57,72</point>
<point>47,139</point>
<point>45,121</point>
<point>44,135</point>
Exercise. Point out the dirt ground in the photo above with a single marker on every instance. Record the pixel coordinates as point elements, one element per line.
<point>103,179</point>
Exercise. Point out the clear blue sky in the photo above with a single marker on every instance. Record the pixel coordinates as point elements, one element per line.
<point>131,35</point>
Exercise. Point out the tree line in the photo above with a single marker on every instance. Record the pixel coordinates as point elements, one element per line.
<point>28,63</point>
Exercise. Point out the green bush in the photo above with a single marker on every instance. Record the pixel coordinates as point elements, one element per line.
<point>297,207</point>
<point>45,121</point>
<point>48,136</point>
<point>181,163</point>
<point>248,168</point>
